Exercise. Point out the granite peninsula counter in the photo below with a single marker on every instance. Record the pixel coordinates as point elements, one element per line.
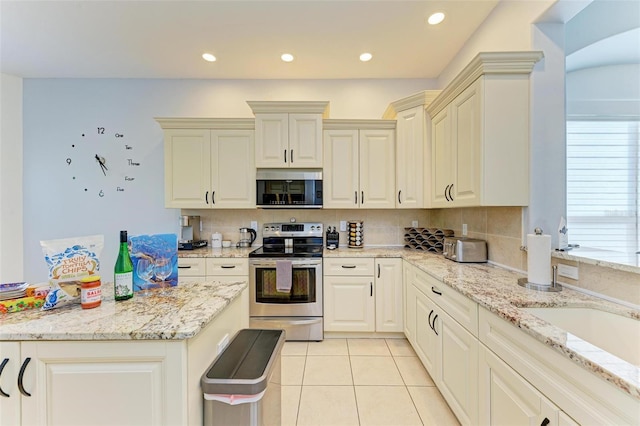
<point>496,289</point>
<point>181,314</point>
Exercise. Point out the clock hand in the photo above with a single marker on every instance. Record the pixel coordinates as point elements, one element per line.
<point>103,166</point>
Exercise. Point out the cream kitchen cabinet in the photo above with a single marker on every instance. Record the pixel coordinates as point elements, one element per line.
<point>363,294</point>
<point>409,306</point>
<point>413,149</point>
<point>211,165</point>
<point>446,343</point>
<point>480,133</point>
<point>226,270</point>
<point>288,134</point>
<point>507,399</point>
<point>359,170</point>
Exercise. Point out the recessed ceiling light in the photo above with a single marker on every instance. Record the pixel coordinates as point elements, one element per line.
<point>436,18</point>
<point>366,57</point>
<point>208,57</point>
<point>287,57</point>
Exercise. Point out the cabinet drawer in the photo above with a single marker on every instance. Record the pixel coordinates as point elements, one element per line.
<point>227,266</point>
<point>349,266</point>
<point>459,307</point>
<point>191,267</point>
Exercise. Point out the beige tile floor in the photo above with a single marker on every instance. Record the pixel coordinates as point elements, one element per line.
<point>358,382</point>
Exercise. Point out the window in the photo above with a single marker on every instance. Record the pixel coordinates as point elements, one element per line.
<point>603,182</point>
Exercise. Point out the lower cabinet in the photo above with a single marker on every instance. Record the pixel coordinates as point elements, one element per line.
<point>507,399</point>
<point>226,270</point>
<point>363,295</point>
<point>130,382</point>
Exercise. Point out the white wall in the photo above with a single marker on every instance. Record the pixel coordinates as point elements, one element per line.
<point>58,111</point>
<point>11,238</point>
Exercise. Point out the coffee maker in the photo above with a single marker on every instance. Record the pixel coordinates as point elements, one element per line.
<point>190,233</point>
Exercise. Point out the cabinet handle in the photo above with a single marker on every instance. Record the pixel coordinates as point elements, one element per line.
<point>355,197</point>
<point>433,289</point>
<point>399,201</point>
<point>450,196</point>
<point>4,362</point>
<point>371,291</point>
<point>433,327</point>
<point>429,320</point>
<point>362,198</point>
<point>445,193</point>
<point>184,267</point>
<point>378,270</point>
<point>285,155</point>
<point>206,197</point>
<point>348,266</point>
<point>21,377</point>
<point>545,422</point>
<point>227,266</point>
<point>291,157</point>
<point>213,194</point>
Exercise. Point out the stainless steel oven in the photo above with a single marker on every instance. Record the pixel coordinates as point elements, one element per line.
<point>285,281</point>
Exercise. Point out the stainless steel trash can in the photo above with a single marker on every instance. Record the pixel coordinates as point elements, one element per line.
<point>242,385</point>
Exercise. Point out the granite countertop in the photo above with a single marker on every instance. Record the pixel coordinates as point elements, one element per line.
<point>179,315</point>
<point>496,289</point>
<point>218,252</point>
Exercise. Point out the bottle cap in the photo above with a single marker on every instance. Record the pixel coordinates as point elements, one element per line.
<point>123,236</point>
<point>90,279</point>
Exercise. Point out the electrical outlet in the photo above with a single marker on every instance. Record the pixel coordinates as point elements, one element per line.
<point>254,224</point>
<point>343,225</point>
<point>414,223</point>
<point>464,229</point>
<point>567,271</point>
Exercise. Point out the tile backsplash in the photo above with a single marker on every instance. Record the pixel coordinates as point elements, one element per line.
<point>501,227</point>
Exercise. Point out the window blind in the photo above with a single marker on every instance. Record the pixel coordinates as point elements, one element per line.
<point>603,184</point>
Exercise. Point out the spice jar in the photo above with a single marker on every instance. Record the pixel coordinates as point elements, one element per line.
<point>90,292</point>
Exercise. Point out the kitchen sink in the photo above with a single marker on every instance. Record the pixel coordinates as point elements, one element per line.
<point>616,334</point>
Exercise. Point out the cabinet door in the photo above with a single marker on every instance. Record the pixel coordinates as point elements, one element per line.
<point>457,376</point>
<point>409,305</point>
<point>341,169</point>
<point>410,142</point>
<point>305,140</point>
<point>466,142</point>
<point>377,169</point>
<point>427,341</point>
<point>388,286</point>
<point>272,140</point>
<point>349,304</point>
<point>233,175</point>
<point>137,382</point>
<point>187,165</point>
<point>507,399</point>
<point>10,406</point>
<point>441,159</point>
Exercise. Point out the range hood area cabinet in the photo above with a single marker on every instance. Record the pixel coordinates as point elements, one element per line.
<point>359,166</point>
<point>288,134</point>
<point>209,163</point>
<point>480,133</point>
<point>412,149</point>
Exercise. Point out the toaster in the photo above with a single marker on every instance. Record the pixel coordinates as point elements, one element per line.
<point>465,250</point>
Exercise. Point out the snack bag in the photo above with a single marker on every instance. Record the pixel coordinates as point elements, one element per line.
<point>70,259</point>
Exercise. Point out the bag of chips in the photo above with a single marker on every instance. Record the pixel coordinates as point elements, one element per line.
<point>68,260</point>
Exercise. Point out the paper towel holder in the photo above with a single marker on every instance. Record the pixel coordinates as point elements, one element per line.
<point>553,287</point>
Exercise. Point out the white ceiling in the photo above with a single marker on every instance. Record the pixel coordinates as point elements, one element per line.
<point>165,39</point>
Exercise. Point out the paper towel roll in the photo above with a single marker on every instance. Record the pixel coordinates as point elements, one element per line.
<point>539,259</point>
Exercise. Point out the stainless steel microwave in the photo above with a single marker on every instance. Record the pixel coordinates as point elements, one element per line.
<point>289,188</point>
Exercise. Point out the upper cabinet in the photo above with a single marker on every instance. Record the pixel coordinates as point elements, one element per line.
<point>288,134</point>
<point>209,163</point>
<point>412,153</point>
<point>480,133</point>
<point>359,169</point>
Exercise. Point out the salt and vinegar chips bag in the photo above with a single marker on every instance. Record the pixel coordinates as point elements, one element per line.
<point>69,260</point>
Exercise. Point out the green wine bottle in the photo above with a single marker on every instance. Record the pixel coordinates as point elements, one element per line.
<point>123,271</point>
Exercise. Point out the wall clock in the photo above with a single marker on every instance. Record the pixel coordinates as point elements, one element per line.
<point>102,162</point>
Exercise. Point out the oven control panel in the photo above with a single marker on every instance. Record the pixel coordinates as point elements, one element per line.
<point>292,230</point>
